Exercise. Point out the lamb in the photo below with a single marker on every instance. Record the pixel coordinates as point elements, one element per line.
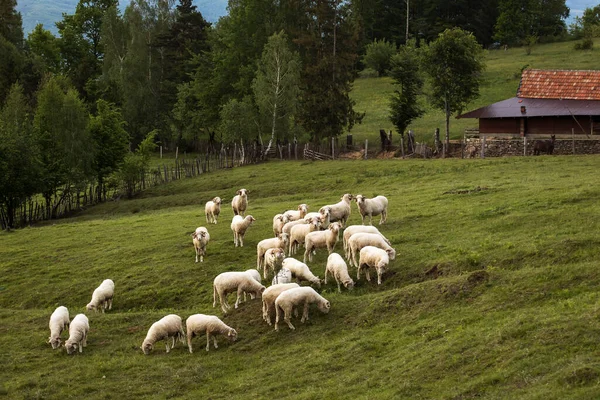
<point>212,325</point>
<point>360,240</point>
<point>279,221</point>
<point>59,320</point>
<point>78,331</point>
<point>341,211</point>
<point>102,297</point>
<point>352,229</point>
<point>283,276</point>
<point>301,271</point>
<point>273,258</point>
<point>240,202</point>
<point>370,207</point>
<point>298,232</point>
<point>165,328</point>
<point>306,295</point>
<point>212,209</point>
<point>278,242</point>
<point>269,296</point>
<point>200,238</point>
<point>371,256</point>
<point>327,238</point>
<point>336,266</point>
<point>239,225</point>
<point>228,282</point>
<point>256,275</point>
<point>295,215</point>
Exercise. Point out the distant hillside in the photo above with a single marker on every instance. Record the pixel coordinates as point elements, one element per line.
<point>48,12</point>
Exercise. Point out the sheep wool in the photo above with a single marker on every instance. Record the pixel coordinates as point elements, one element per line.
<point>198,324</point>
<point>228,282</point>
<point>239,225</point>
<point>102,297</point>
<point>372,257</point>
<point>336,266</point>
<point>212,209</point>
<point>168,327</point>
<point>360,240</point>
<point>200,239</point>
<point>269,296</point>
<point>59,321</point>
<point>296,297</point>
<point>78,331</point>
<point>371,207</point>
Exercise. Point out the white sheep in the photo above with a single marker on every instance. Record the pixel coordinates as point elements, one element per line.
<point>300,271</point>
<point>283,276</point>
<point>299,232</point>
<point>371,256</point>
<point>212,209</point>
<point>240,202</point>
<point>287,227</point>
<point>371,207</point>
<point>273,258</point>
<point>59,320</point>
<point>199,323</point>
<point>324,214</point>
<point>341,211</point>
<point>280,242</point>
<point>239,225</point>
<point>168,327</point>
<point>200,239</point>
<point>279,221</point>
<point>256,275</point>
<point>78,331</point>
<point>294,215</point>
<point>102,297</point>
<point>327,238</point>
<point>336,266</point>
<point>360,240</point>
<point>269,296</point>
<point>240,282</point>
<point>296,297</point>
<point>352,229</point>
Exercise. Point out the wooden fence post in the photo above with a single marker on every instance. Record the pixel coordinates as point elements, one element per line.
<point>366,147</point>
<point>524,145</point>
<point>333,148</point>
<point>483,147</point>
<point>573,139</point>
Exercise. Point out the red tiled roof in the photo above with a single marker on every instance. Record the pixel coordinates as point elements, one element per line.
<point>559,84</point>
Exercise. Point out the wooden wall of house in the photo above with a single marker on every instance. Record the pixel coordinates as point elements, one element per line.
<point>539,125</point>
<point>499,125</point>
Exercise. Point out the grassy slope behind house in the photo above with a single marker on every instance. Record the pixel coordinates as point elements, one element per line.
<point>493,293</point>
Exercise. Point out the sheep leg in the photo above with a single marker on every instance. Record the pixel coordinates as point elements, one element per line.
<point>306,254</point>
<point>239,297</point>
<point>368,274</point>
<point>358,273</point>
<point>325,281</point>
<point>190,335</point>
<point>215,341</point>
<point>207,340</point>
<point>80,347</point>
<point>84,341</point>
<point>370,219</point>
<point>214,296</point>
<point>287,317</point>
<point>241,239</point>
<point>379,276</point>
<point>223,301</point>
<point>305,312</point>
<point>110,303</point>
<point>277,314</point>
<point>167,344</point>
<point>338,283</point>
<point>383,217</point>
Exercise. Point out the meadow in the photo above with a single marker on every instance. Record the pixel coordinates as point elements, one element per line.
<point>493,294</point>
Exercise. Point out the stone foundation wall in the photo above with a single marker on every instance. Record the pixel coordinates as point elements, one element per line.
<point>514,147</point>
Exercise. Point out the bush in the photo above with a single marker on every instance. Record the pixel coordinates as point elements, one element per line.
<point>586,44</point>
<point>378,55</point>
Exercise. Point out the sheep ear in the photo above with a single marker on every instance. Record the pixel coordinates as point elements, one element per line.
<point>238,192</point>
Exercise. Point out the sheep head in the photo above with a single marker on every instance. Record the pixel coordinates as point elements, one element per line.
<point>391,253</point>
<point>55,342</point>
<point>324,306</point>
<point>347,197</point>
<point>335,227</point>
<point>71,347</point>
<point>147,348</point>
<point>284,237</point>
<point>243,192</point>
<point>349,284</point>
<point>232,335</point>
<point>217,200</point>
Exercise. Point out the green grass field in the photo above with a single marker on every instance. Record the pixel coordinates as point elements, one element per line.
<point>493,294</point>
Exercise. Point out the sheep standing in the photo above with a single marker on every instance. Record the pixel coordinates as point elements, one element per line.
<point>370,207</point>
<point>239,225</point>
<point>287,227</point>
<point>269,296</point>
<point>300,271</point>
<point>296,297</point>
<point>102,297</point>
<point>294,215</point>
<point>352,229</point>
<point>283,276</point>
<point>341,211</point>
<point>228,282</point>
<point>199,323</point>
<point>212,209</point>
<point>200,238</point>
<point>59,320</point>
<point>371,256</point>
<point>279,221</point>
<point>299,232</point>
<point>327,238</point>
<point>280,242</point>
<point>360,240</point>
<point>240,202</point>
<point>78,331</point>
<point>256,275</point>
<point>336,266</point>
<point>324,214</point>
<point>273,259</point>
<point>168,327</point>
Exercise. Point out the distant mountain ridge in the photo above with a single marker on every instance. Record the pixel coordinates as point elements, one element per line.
<point>48,12</point>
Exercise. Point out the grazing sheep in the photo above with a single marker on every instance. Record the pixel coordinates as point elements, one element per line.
<point>295,215</point>
<point>341,211</point>
<point>283,276</point>
<point>279,221</point>
<point>301,271</point>
<point>59,320</point>
<point>239,225</point>
<point>370,207</point>
<point>306,295</point>
<point>165,328</point>
<point>199,323</point>
<point>269,296</point>
<point>336,266</point>
<point>280,242</point>
<point>298,232</point>
<point>200,238</point>
<point>212,209</point>
<point>371,256</point>
<point>240,202</point>
<point>360,240</point>
<point>240,282</point>
<point>273,259</point>
<point>327,238</point>
<point>78,331</point>
<point>352,229</point>
<point>287,227</point>
<point>256,275</point>
<point>102,297</point>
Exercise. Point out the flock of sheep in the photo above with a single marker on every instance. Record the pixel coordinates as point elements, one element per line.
<point>292,228</point>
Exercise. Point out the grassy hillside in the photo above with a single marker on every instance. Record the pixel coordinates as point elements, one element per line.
<point>500,82</point>
<point>493,293</point>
